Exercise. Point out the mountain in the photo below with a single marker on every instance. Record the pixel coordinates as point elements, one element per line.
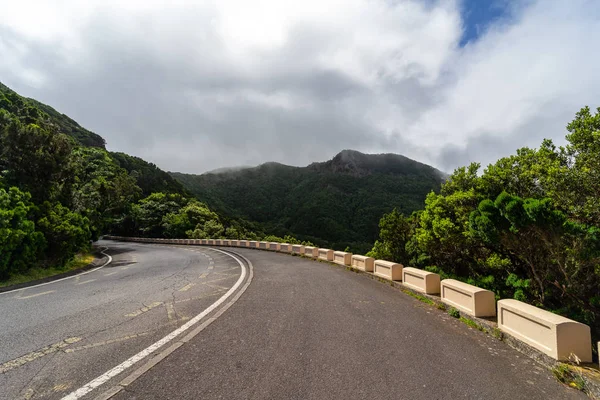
<point>334,203</point>
<point>148,176</point>
<point>30,110</point>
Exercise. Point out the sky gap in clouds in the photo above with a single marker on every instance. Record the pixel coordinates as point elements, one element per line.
<point>193,86</point>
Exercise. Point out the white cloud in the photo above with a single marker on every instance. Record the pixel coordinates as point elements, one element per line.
<point>186,83</point>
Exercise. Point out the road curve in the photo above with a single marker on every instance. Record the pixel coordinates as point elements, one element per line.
<point>311,330</point>
<point>57,337</point>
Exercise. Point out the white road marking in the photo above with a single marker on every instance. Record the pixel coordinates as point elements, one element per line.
<point>68,277</point>
<point>93,384</point>
<point>84,282</point>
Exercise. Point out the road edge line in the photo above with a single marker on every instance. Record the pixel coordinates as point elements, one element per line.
<point>100,380</point>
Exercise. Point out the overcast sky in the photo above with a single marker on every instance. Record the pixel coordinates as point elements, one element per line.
<point>197,85</point>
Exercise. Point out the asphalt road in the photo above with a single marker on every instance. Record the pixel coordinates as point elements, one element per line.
<point>302,330</point>
<point>311,330</point>
<point>57,337</point>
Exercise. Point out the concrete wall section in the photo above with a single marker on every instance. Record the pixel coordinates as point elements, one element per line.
<point>388,270</point>
<point>468,298</point>
<point>552,334</point>
<point>325,254</point>
<point>363,263</point>
<point>263,245</point>
<point>422,281</point>
<point>311,251</point>
<point>285,247</point>
<point>253,244</point>
<point>274,246</point>
<point>342,258</point>
<point>297,249</point>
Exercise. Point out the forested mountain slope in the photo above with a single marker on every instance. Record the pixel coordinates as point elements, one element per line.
<point>337,203</point>
<point>60,189</point>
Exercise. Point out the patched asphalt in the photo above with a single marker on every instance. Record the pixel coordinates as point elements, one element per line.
<point>57,337</point>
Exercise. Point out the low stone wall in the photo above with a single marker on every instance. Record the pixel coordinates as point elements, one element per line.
<point>556,336</point>
<point>422,281</point>
<point>363,263</point>
<point>468,298</point>
<point>325,254</point>
<point>342,258</point>
<point>388,270</point>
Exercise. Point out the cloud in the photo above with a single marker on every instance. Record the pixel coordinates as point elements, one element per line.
<point>193,86</point>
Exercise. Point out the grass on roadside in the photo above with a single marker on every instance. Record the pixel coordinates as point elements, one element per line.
<point>79,261</point>
<point>422,299</point>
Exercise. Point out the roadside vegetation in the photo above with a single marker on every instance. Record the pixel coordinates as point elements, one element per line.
<point>60,190</point>
<point>526,227</point>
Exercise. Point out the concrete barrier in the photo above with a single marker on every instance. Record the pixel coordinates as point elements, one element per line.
<point>253,244</point>
<point>342,258</point>
<point>285,248</point>
<point>325,254</point>
<point>362,262</point>
<point>388,270</point>
<point>234,243</point>
<point>243,243</point>
<point>204,241</point>
<point>422,281</point>
<point>210,242</point>
<point>470,299</point>
<point>274,246</point>
<point>226,242</point>
<point>311,251</point>
<point>297,249</point>
<point>552,334</point>
<point>263,245</point>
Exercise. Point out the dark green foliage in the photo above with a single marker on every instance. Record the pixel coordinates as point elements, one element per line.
<point>32,111</point>
<point>172,215</point>
<point>66,232</point>
<point>33,158</point>
<point>66,189</point>
<point>147,175</point>
<point>20,244</point>
<point>336,203</point>
<point>527,228</point>
<point>394,232</point>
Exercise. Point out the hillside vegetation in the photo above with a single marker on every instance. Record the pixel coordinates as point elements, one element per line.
<point>528,227</point>
<point>60,189</point>
<point>335,203</point>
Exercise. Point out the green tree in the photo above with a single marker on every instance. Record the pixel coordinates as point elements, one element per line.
<point>20,243</point>
<point>101,190</point>
<point>395,230</point>
<point>66,232</point>
<point>33,158</point>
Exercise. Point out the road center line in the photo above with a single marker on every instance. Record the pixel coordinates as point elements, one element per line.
<point>17,362</point>
<point>36,295</point>
<point>93,384</point>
